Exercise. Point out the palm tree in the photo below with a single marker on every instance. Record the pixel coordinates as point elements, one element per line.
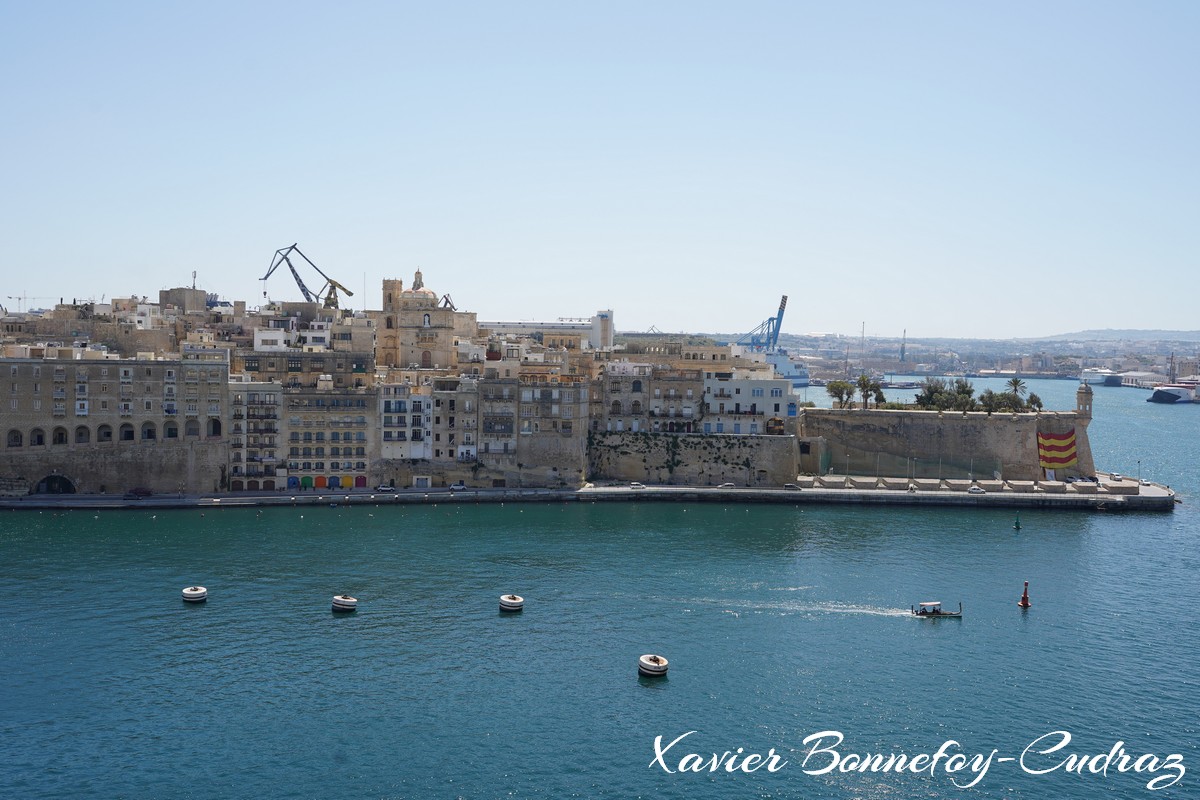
<point>1016,386</point>
<point>867,388</point>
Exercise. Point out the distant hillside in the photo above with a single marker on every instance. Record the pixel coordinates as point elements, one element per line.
<point>1111,334</point>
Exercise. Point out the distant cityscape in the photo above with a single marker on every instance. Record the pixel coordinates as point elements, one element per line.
<point>195,394</point>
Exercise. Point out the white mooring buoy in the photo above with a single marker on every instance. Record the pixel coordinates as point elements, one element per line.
<point>344,602</point>
<point>511,602</point>
<point>652,666</point>
<point>195,594</point>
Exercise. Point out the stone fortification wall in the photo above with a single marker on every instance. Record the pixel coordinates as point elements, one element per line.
<point>692,459</point>
<point>934,444</point>
<point>116,467</point>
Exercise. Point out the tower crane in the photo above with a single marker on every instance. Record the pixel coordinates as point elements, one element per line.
<point>766,335</point>
<point>23,298</point>
<point>330,288</point>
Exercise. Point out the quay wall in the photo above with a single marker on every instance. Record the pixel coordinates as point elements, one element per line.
<point>935,444</point>
<point>692,459</point>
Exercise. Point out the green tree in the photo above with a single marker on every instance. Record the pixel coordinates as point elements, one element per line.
<point>937,394</point>
<point>930,390</point>
<point>1016,386</point>
<point>841,391</point>
<point>1034,401</point>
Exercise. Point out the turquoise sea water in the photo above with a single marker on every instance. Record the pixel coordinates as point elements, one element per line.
<point>779,623</point>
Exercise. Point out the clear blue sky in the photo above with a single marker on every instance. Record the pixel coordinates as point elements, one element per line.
<point>949,168</point>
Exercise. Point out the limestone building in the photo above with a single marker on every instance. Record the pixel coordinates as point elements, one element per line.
<point>112,424</point>
<point>254,443</point>
<point>331,435</point>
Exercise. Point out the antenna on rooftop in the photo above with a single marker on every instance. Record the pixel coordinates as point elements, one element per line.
<point>193,279</point>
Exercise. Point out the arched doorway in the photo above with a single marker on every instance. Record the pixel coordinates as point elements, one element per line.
<point>214,427</point>
<point>54,484</point>
<point>235,485</point>
<point>426,359</point>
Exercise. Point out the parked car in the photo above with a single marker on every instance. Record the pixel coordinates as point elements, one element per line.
<point>382,488</point>
<point>458,486</point>
<point>790,486</point>
<point>1117,477</point>
<point>977,490</point>
<point>727,486</point>
<point>636,485</point>
<point>138,493</point>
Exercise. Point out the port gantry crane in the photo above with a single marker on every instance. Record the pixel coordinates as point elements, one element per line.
<point>766,336</point>
<point>330,289</point>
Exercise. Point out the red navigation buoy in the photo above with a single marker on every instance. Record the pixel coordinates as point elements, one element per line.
<point>1024,601</point>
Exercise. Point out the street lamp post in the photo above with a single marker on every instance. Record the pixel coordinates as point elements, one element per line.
<point>1139,470</point>
<point>847,463</point>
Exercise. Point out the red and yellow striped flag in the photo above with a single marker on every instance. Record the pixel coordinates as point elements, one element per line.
<point>1057,450</point>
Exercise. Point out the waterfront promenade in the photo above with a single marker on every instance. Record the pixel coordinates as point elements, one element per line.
<point>1102,496</point>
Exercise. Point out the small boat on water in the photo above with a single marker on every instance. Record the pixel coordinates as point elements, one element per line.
<point>933,608</point>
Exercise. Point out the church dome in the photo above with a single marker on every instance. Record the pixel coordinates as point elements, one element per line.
<point>419,293</point>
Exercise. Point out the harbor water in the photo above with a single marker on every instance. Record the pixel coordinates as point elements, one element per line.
<point>779,623</point>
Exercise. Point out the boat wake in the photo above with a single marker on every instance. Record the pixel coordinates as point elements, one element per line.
<point>737,610</point>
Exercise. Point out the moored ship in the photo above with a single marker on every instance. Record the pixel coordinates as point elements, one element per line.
<point>785,367</point>
<point>1173,393</point>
